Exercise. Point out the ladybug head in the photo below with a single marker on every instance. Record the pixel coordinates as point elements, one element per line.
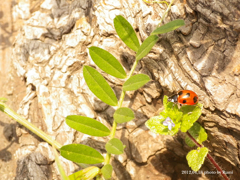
<point>173,98</point>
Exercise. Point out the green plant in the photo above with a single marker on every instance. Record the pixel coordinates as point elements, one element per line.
<point>99,86</point>
<point>172,119</point>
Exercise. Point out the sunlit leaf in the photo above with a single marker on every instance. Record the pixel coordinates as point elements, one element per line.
<point>126,33</point>
<point>196,158</point>
<point>135,82</point>
<point>146,46</point>
<point>86,174</point>
<point>87,125</point>
<point>80,153</point>
<point>190,115</point>
<point>123,114</point>
<point>99,86</point>
<point>155,124</point>
<point>107,62</point>
<point>168,27</point>
<point>115,146</point>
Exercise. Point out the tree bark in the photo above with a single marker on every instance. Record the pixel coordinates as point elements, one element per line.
<point>52,47</point>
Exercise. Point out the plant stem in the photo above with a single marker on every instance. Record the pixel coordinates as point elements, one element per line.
<point>114,127</point>
<point>165,13</point>
<point>28,125</point>
<point>209,157</point>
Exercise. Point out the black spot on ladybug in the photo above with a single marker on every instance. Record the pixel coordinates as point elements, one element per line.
<point>195,99</point>
<point>184,101</point>
<point>187,95</point>
<point>180,93</point>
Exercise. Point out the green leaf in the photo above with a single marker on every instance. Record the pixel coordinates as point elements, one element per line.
<point>87,125</point>
<point>107,171</point>
<point>107,62</point>
<point>155,124</point>
<point>86,174</point>
<point>126,33</point>
<point>196,158</point>
<point>190,115</point>
<point>80,153</point>
<point>146,46</point>
<point>59,166</point>
<point>123,114</point>
<point>99,86</point>
<point>168,27</point>
<point>198,133</point>
<point>135,82</point>
<point>115,146</point>
<point>3,99</point>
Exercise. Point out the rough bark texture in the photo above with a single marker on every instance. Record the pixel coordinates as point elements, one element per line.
<point>51,49</point>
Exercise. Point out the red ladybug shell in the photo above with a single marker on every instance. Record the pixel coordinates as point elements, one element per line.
<point>185,97</point>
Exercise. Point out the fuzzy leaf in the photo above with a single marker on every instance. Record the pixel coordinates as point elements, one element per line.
<point>190,115</point>
<point>99,86</point>
<point>196,158</point>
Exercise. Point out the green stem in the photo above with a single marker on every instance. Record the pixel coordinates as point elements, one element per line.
<point>114,127</point>
<point>28,125</point>
<point>165,13</point>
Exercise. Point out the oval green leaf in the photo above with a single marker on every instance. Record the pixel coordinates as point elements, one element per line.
<point>80,153</point>
<point>169,27</point>
<point>135,82</point>
<point>115,146</point>
<point>87,125</point>
<point>123,114</point>
<point>85,174</point>
<point>107,62</point>
<point>126,33</point>
<point>107,171</point>
<point>196,158</point>
<point>146,46</point>
<point>99,86</point>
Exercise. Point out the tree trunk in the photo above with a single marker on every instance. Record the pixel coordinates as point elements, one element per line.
<point>52,47</point>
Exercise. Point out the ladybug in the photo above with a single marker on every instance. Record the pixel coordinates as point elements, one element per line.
<point>184,97</point>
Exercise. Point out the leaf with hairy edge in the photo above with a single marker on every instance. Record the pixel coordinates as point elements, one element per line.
<point>107,62</point>
<point>146,46</point>
<point>126,33</point>
<point>168,27</point>
<point>135,82</point>
<point>99,86</point>
<point>115,146</point>
<point>80,153</point>
<point>87,125</point>
<point>196,158</point>
<point>123,114</point>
